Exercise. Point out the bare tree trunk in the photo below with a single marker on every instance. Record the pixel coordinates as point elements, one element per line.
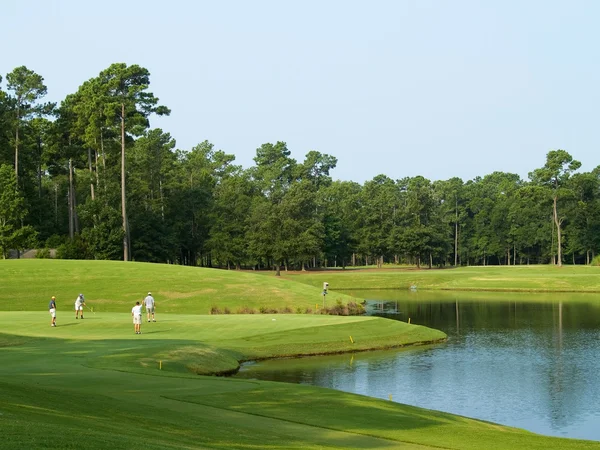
<point>162,201</point>
<point>75,216</point>
<point>558,233</point>
<point>17,147</point>
<point>103,160</point>
<point>55,203</point>
<point>91,169</point>
<point>70,200</point>
<point>126,242</point>
<point>39,166</point>
<point>456,235</point>
<point>96,164</point>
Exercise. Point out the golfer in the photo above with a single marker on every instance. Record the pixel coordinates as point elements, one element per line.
<point>52,310</point>
<point>79,304</point>
<point>149,302</point>
<point>136,313</point>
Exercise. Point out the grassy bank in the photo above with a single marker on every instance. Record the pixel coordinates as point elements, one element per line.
<point>27,285</point>
<point>94,384</point>
<point>490,278</point>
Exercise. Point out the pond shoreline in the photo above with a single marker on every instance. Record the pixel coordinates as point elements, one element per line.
<point>331,353</point>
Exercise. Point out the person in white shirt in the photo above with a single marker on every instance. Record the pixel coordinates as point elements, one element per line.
<point>79,304</point>
<point>149,302</point>
<point>136,313</point>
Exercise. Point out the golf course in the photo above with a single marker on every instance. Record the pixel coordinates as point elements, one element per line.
<point>95,384</point>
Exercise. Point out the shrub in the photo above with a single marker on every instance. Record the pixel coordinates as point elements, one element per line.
<point>226,310</point>
<point>355,309</point>
<point>246,310</point>
<point>263,310</point>
<point>286,310</point>
<point>595,261</point>
<point>299,310</point>
<point>75,249</point>
<point>43,253</point>
<point>308,311</point>
<point>54,241</point>
<point>215,310</point>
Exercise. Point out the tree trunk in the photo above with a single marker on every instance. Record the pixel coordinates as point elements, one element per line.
<point>17,147</point>
<point>456,235</point>
<point>56,203</point>
<point>39,166</point>
<point>558,233</point>
<point>126,242</point>
<point>91,169</point>
<point>162,200</point>
<point>70,201</point>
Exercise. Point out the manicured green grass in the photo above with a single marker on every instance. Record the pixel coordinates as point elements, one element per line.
<point>490,278</point>
<point>27,285</point>
<point>94,384</point>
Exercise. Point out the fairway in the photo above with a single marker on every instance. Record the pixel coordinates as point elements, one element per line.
<point>95,384</point>
<point>534,278</point>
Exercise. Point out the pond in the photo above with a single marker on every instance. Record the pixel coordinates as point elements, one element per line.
<point>530,361</point>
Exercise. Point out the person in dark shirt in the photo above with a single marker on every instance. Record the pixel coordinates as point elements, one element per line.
<point>52,310</point>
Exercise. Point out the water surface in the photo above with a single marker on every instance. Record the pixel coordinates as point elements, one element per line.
<point>529,361</point>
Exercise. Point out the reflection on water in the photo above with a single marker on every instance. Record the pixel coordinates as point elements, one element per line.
<point>529,361</point>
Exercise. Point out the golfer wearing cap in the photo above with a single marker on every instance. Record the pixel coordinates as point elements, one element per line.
<point>79,304</point>
<point>52,310</point>
<point>149,302</point>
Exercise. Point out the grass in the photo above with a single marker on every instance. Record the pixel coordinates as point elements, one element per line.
<point>491,278</point>
<point>27,285</point>
<point>94,384</point>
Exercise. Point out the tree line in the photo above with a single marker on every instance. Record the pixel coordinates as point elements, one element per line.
<point>91,178</point>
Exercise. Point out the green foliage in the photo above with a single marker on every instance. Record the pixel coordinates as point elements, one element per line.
<point>12,212</point>
<point>43,253</point>
<point>196,207</point>
<point>595,261</point>
<point>75,249</point>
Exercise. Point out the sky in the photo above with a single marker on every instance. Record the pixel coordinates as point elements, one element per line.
<point>403,88</point>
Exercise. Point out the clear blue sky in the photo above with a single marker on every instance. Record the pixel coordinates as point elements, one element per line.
<point>403,88</point>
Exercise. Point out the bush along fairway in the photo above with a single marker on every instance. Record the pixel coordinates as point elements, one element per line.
<point>94,384</point>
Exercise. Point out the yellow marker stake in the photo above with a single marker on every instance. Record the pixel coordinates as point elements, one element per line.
<point>160,365</point>
<point>351,340</point>
<point>390,397</point>
<point>409,320</point>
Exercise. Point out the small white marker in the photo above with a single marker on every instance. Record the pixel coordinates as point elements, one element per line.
<point>273,319</point>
